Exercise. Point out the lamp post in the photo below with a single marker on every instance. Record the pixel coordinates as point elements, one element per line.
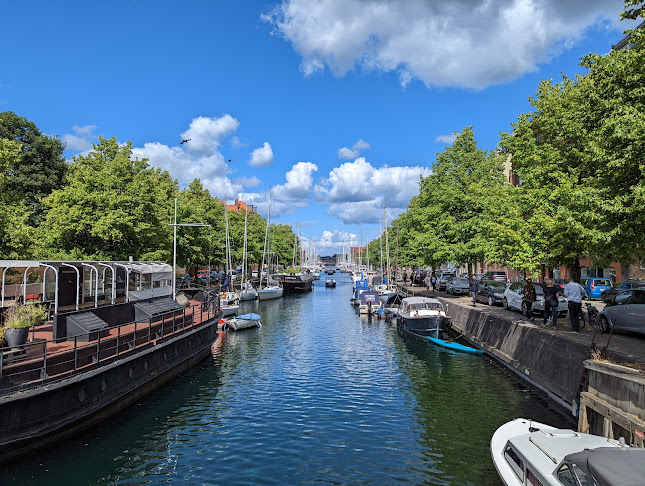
<point>174,248</point>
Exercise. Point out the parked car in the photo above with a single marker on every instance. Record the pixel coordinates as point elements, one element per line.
<point>442,280</point>
<point>457,286</point>
<point>608,295</point>
<point>594,286</point>
<point>495,275</point>
<point>627,312</point>
<point>513,299</point>
<point>491,292</point>
<point>202,274</point>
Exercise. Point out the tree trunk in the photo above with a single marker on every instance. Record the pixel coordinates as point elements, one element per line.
<point>576,270</point>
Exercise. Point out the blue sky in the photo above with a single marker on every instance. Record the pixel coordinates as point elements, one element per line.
<point>338,105</point>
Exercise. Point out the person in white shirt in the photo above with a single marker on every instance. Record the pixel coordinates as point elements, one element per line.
<point>574,292</point>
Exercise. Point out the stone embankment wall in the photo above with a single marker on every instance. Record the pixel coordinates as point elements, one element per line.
<point>543,358</point>
<point>612,402</point>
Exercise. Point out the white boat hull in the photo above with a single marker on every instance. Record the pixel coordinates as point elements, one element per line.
<point>239,324</point>
<point>248,295</point>
<point>269,294</point>
<point>229,310</point>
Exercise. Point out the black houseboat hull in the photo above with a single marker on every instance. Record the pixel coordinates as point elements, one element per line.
<point>34,417</point>
<point>296,283</point>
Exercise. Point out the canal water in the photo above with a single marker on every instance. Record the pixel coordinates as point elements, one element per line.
<point>318,395</point>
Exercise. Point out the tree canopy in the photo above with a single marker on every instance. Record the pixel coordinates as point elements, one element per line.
<point>38,170</point>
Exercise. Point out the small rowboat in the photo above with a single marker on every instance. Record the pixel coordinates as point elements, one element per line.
<point>454,346</point>
<point>244,321</point>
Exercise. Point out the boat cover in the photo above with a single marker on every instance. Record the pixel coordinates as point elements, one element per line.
<point>395,299</point>
<point>612,466</point>
<point>369,296</point>
<point>362,285</point>
<point>253,317</point>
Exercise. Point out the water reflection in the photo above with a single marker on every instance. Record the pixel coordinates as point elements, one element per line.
<point>319,394</point>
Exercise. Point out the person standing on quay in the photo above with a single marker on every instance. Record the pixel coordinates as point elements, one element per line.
<point>551,295</point>
<point>529,297</point>
<point>433,281</point>
<point>573,291</point>
<point>473,286</point>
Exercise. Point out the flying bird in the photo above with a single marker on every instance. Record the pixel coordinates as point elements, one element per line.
<point>184,141</point>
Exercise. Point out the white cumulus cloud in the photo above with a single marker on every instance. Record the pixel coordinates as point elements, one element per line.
<point>355,151</point>
<point>262,156</point>
<point>463,43</point>
<point>81,140</point>
<point>200,158</point>
<point>288,197</point>
<point>447,139</point>
<point>332,242</point>
<point>206,134</point>
<point>357,190</point>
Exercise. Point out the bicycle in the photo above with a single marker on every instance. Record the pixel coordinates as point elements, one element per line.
<point>592,317</point>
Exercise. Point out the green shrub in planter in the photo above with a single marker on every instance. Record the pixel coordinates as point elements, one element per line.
<point>18,320</point>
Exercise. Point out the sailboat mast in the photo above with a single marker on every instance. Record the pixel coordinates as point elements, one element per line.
<point>387,247</point>
<point>246,218</point>
<point>266,237</point>
<point>380,241</point>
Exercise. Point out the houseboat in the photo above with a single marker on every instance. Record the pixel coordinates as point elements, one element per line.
<point>295,282</point>
<point>116,333</point>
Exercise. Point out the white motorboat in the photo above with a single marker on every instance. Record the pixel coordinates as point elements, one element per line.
<point>422,316</point>
<point>229,303</point>
<point>244,321</point>
<point>369,302</point>
<point>531,453</point>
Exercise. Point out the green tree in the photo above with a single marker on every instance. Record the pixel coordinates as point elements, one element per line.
<point>113,207</point>
<point>39,170</point>
<point>446,221</point>
<point>16,234</point>
<point>579,156</point>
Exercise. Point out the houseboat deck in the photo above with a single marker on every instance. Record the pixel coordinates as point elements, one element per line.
<point>45,359</point>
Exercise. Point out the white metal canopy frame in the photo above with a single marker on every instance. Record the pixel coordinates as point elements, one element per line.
<point>158,274</point>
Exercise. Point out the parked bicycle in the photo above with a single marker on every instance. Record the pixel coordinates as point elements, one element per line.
<point>592,317</point>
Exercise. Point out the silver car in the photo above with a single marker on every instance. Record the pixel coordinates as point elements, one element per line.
<point>627,312</point>
<point>513,299</point>
<point>457,285</point>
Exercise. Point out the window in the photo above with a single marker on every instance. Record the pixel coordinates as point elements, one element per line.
<point>565,476</point>
<point>584,281</point>
<point>604,282</point>
<point>516,286</point>
<point>146,281</point>
<point>623,297</point>
<point>639,297</point>
<point>517,465</point>
<point>532,478</point>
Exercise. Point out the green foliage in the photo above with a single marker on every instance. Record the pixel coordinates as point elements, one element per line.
<point>16,232</point>
<point>19,316</point>
<point>446,221</point>
<point>282,242</point>
<point>579,156</point>
<point>38,171</point>
<point>113,207</point>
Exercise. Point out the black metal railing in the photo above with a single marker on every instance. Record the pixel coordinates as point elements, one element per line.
<point>37,361</point>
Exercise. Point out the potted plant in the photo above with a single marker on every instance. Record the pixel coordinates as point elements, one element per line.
<point>18,320</point>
